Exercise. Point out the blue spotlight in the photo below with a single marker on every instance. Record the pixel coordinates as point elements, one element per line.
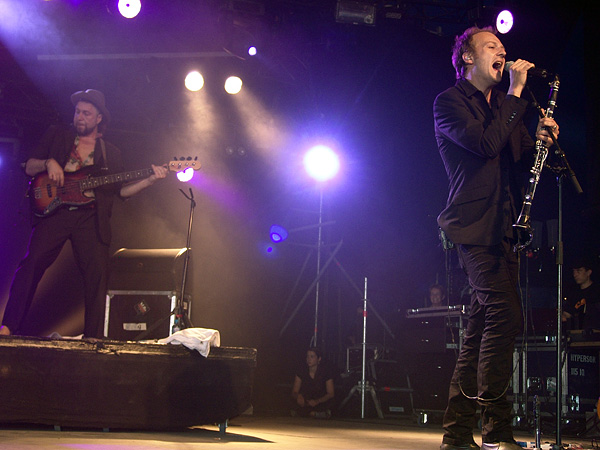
<point>268,250</point>
<point>278,233</point>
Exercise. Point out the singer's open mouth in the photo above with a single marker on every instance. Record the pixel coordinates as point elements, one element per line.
<point>497,65</point>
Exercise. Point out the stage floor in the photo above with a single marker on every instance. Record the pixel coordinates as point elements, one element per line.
<point>251,432</point>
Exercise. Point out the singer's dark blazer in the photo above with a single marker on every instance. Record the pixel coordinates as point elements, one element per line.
<point>482,147</point>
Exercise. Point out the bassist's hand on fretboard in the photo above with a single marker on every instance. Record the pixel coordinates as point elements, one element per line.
<point>159,172</point>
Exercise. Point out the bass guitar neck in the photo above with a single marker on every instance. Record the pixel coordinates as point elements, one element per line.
<point>46,196</point>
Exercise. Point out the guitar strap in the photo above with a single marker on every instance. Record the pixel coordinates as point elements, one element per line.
<point>104,161</point>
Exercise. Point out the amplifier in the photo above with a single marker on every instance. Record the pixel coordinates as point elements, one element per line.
<point>580,376</point>
<point>130,313</point>
<point>149,269</point>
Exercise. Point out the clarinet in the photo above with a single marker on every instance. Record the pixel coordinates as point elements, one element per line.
<point>523,224</point>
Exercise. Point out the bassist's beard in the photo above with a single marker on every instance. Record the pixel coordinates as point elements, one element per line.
<point>84,130</point>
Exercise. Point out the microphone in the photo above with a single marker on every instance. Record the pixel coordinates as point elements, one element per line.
<point>533,72</point>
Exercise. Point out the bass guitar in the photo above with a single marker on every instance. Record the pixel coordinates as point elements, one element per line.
<point>46,196</point>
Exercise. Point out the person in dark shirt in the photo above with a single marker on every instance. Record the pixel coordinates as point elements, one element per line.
<point>313,389</point>
<point>582,308</point>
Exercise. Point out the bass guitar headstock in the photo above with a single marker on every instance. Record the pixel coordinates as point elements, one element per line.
<point>184,163</point>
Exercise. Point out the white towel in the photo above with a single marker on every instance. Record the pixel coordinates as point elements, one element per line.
<point>200,339</point>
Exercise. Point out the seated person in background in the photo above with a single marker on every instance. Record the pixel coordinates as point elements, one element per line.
<point>313,389</point>
<point>582,306</point>
<point>437,296</point>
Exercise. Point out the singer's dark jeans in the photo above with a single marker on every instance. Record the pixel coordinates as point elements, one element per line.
<point>484,366</point>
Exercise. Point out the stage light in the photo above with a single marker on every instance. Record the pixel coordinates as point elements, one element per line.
<point>355,12</point>
<point>252,51</point>
<point>268,250</point>
<point>504,21</point>
<point>277,233</point>
<point>233,85</point>
<point>129,8</point>
<point>321,163</point>
<point>185,175</point>
<point>194,81</point>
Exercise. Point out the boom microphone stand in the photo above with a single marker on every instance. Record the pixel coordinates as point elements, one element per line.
<point>182,320</point>
<point>180,313</point>
<point>561,170</point>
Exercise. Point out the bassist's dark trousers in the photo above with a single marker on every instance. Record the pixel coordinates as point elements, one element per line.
<point>47,240</point>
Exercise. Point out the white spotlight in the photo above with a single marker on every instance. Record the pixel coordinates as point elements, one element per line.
<point>185,175</point>
<point>194,81</point>
<point>504,21</point>
<point>129,8</point>
<point>233,85</point>
<point>321,163</point>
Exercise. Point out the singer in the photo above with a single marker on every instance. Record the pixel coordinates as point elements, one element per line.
<point>484,145</point>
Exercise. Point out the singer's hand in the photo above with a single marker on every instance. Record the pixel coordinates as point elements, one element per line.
<point>518,76</point>
<point>542,133</point>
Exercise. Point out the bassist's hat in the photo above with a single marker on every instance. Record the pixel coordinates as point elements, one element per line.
<point>94,97</point>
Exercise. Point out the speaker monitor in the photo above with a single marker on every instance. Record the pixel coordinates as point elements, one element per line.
<point>143,288</point>
<point>149,270</point>
<point>128,314</point>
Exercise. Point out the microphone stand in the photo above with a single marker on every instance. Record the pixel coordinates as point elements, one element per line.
<point>182,319</point>
<point>564,168</point>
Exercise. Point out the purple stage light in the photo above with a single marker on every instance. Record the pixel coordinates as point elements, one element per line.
<point>129,8</point>
<point>504,21</point>
<point>321,163</point>
<point>252,51</point>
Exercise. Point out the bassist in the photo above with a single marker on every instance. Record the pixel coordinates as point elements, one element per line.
<point>87,226</point>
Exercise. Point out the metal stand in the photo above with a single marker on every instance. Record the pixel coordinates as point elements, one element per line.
<point>316,282</point>
<point>182,319</point>
<point>321,269</point>
<point>363,385</point>
<point>564,168</point>
<point>561,171</point>
<point>538,422</point>
<point>313,342</point>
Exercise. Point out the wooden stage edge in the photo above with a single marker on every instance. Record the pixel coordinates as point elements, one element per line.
<point>125,385</point>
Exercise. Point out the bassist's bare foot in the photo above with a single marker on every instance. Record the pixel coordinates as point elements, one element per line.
<point>4,330</point>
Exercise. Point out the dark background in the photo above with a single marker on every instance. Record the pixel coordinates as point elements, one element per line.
<point>368,91</point>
